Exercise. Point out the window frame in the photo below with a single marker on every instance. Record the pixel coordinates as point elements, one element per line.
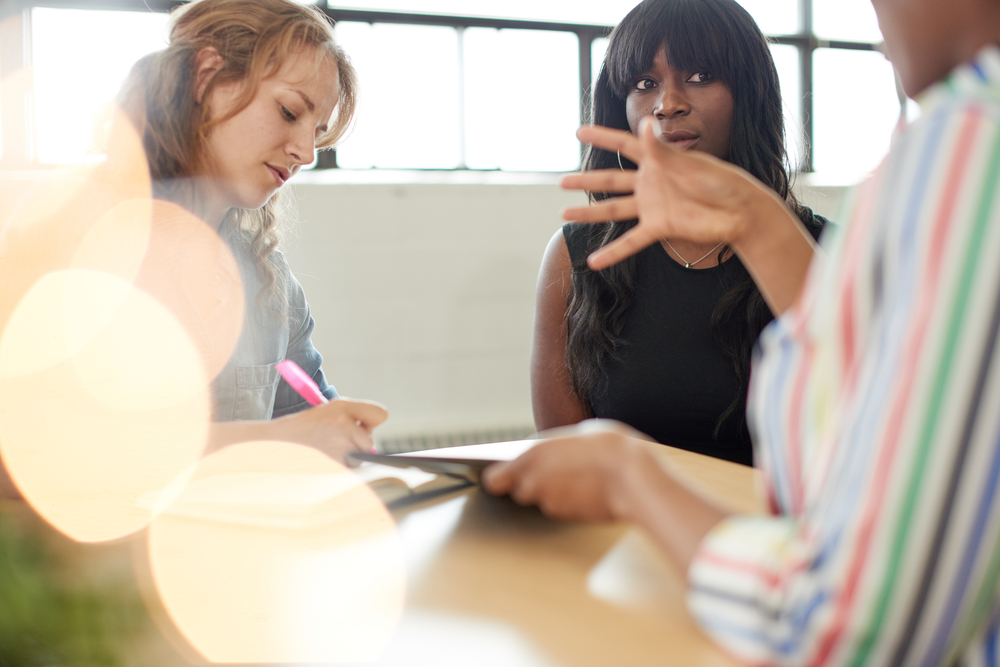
<point>15,52</point>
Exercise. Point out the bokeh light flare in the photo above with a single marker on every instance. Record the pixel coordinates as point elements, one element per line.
<point>275,553</point>
<point>84,435</point>
<point>189,269</point>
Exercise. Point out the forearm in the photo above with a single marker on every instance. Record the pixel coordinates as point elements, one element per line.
<point>775,247</point>
<point>676,515</point>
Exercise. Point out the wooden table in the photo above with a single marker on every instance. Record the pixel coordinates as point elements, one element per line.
<point>492,583</point>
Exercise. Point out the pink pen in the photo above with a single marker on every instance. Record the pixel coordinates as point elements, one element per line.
<point>300,382</point>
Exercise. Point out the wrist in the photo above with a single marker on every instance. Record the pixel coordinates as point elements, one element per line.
<point>758,204</point>
<point>633,481</point>
<point>288,428</point>
<point>674,512</point>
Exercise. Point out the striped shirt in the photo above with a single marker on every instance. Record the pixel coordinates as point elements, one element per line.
<point>875,411</point>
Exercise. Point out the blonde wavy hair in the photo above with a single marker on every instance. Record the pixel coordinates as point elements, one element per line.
<point>254,38</point>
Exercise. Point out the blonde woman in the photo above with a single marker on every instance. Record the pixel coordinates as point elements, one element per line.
<point>233,108</point>
<point>226,114</point>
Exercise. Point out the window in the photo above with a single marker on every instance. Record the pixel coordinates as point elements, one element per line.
<point>77,69</point>
<point>593,12</point>
<point>407,112</point>
<point>849,20</point>
<point>520,116</point>
<point>786,61</point>
<point>485,84</point>
<point>854,95</point>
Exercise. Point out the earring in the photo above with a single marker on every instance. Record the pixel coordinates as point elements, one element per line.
<point>620,161</point>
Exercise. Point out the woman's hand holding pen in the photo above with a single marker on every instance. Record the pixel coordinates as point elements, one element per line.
<point>337,428</point>
<point>693,196</point>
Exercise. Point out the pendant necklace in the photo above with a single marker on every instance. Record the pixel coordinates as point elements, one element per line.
<point>687,265</point>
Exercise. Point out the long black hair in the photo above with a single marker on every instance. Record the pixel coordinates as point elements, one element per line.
<point>715,36</point>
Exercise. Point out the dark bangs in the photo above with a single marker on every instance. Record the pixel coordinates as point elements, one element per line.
<point>694,33</point>
<point>714,36</point>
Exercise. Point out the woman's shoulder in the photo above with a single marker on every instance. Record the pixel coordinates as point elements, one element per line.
<point>577,236</point>
<point>581,240</point>
<point>814,222</point>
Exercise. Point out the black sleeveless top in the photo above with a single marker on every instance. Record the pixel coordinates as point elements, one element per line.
<point>670,379</point>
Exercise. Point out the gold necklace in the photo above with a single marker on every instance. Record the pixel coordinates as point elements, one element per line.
<point>687,265</point>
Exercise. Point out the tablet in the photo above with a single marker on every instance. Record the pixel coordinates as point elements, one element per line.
<point>466,469</point>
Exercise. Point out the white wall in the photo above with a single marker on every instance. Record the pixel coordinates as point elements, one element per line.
<point>423,293</point>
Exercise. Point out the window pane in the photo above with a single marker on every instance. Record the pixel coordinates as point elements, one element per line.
<point>597,12</point>
<point>848,20</point>
<point>408,107</point>
<point>80,59</point>
<point>775,17</point>
<point>598,48</point>
<point>786,61</point>
<point>855,110</point>
<point>520,116</point>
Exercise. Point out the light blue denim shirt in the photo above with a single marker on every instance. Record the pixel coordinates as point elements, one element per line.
<point>249,387</point>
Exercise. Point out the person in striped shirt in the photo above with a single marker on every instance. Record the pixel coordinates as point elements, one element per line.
<point>875,397</point>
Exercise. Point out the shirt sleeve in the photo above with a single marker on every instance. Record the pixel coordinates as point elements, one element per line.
<point>301,351</point>
<point>876,408</point>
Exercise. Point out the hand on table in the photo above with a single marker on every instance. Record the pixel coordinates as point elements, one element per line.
<point>602,470</point>
<point>579,474</point>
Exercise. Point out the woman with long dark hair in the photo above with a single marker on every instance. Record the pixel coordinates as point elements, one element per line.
<point>662,341</point>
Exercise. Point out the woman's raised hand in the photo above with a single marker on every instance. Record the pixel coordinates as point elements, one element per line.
<point>675,194</point>
<point>693,196</point>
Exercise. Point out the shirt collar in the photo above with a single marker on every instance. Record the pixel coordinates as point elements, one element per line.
<point>977,78</point>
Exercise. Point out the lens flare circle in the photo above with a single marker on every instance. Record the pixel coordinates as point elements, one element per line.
<point>275,553</point>
<point>189,268</point>
<point>118,241</point>
<point>103,399</point>
<point>61,220</point>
